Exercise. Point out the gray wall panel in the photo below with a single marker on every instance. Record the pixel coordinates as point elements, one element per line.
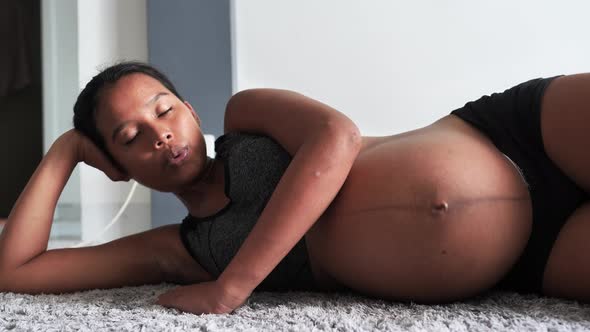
<point>190,42</point>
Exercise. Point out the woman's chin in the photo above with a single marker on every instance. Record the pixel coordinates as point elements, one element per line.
<point>171,181</point>
<point>174,186</point>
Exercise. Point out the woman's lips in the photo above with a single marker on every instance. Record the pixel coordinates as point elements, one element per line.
<point>178,157</point>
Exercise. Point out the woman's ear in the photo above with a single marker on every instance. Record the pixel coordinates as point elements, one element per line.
<point>193,112</point>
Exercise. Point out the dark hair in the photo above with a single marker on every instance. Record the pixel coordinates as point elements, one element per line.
<point>85,106</point>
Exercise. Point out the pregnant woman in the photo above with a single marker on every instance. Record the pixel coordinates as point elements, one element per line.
<point>491,196</point>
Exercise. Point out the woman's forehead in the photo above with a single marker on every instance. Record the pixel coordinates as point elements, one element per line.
<point>125,97</point>
<point>132,89</point>
<point>130,92</point>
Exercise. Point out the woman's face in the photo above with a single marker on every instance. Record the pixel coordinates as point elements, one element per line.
<point>148,130</point>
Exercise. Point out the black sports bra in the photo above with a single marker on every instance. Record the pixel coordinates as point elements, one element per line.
<point>253,167</point>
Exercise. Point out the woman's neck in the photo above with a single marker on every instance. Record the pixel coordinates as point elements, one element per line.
<point>207,195</point>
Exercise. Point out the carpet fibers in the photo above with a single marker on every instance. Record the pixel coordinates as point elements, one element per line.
<point>133,309</point>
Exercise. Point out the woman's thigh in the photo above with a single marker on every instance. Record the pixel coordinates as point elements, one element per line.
<point>567,273</point>
<point>565,126</point>
<point>439,227</point>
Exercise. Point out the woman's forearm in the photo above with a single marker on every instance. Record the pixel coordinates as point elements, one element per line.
<point>311,181</point>
<point>26,233</point>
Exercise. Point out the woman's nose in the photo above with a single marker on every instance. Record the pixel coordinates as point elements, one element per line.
<point>165,137</point>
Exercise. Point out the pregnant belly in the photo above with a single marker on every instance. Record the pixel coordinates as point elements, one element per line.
<point>414,175</point>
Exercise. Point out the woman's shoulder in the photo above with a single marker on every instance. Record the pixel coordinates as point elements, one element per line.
<point>245,143</point>
<point>254,163</point>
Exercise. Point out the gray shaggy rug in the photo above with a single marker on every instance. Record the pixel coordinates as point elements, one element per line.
<point>133,309</point>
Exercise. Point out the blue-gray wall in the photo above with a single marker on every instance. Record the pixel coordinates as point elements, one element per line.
<point>190,41</point>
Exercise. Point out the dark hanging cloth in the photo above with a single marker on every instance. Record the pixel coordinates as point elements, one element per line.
<point>16,58</point>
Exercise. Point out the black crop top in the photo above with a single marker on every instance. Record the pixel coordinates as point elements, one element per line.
<point>253,167</point>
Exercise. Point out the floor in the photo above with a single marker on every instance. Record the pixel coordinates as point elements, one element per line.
<point>134,309</point>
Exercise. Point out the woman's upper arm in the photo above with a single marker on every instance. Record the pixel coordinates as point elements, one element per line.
<point>287,116</point>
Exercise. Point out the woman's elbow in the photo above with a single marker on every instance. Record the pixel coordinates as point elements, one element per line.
<point>346,133</point>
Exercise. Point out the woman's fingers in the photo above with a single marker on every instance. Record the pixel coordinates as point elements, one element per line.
<point>117,176</point>
<point>101,162</point>
<point>95,157</point>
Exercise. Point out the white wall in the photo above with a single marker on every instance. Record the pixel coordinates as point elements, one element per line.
<point>60,87</point>
<point>110,31</point>
<point>394,66</point>
<point>98,33</point>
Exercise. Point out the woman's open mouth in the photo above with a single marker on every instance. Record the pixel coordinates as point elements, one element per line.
<point>178,157</point>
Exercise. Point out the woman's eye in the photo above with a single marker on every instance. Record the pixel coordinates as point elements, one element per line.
<point>131,140</point>
<point>168,110</point>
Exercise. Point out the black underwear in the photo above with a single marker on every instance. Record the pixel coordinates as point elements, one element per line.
<point>512,120</point>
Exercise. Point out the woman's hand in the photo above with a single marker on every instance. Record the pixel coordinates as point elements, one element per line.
<point>86,151</point>
<point>202,298</point>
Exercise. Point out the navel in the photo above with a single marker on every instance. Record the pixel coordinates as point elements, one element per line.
<point>440,207</point>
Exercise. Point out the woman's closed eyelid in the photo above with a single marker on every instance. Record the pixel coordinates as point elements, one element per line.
<point>128,141</point>
<point>168,109</point>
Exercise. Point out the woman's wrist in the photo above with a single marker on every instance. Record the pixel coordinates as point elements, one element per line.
<point>235,285</point>
<point>68,145</point>
<point>233,293</point>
